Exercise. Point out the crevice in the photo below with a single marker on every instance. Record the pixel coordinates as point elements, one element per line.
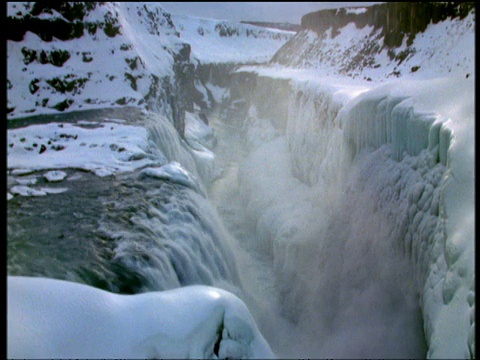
<point>216,347</point>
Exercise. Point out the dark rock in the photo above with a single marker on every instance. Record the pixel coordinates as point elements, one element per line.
<point>33,87</point>
<point>394,18</point>
<point>63,105</point>
<point>203,117</point>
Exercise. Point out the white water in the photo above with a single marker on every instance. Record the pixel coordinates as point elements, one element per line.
<point>340,218</point>
<point>332,248</point>
<point>316,289</point>
<point>346,225</point>
<point>332,231</point>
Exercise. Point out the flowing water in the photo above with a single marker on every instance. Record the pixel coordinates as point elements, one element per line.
<point>323,279</point>
<point>131,233</point>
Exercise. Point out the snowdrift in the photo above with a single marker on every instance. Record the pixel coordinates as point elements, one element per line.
<point>78,321</point>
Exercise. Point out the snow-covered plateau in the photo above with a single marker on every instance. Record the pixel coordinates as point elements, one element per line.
<point>191,188</point>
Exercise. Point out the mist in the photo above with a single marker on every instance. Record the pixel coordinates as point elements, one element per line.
<point>322,264</point>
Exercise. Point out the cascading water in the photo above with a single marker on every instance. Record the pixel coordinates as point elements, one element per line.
<point>332,200</point>
<point>331,228</point>
<point>151,229</point>
<point>346,234</point>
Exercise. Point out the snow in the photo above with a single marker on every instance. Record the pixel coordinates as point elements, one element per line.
<point>198,134</point>
<point>363,157</point>
<point>104,149</point>
<point>101,80</point>
<point>174,172</point>
<point>78,321</point>
<point>443,49</point>
<point>54,176</point>
<point>108,71</point>
<point>219,41</point>
<point>28,180</point>
<point>356,10</point>
<point>27,191</point>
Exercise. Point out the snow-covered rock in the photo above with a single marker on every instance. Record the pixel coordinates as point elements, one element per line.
<point>55,176</point>
<point>90,55</point>
<point>71,56</point>
<point>78,321</point>
<point>390,40</point>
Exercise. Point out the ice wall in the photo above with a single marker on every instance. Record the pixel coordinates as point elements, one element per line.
<point>374,172</point>
<point>377,120</point>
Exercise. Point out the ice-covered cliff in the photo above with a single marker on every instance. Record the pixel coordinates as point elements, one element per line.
<point>378,169</point>
<point>219,46</point>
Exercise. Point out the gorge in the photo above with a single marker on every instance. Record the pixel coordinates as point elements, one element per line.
<point>319,179</point>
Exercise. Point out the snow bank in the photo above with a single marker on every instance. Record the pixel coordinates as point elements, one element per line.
<point>108,147</point>
<point>103,148</point>
<point>58,319</point>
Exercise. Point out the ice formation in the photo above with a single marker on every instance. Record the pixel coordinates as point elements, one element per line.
<point>397,152</point>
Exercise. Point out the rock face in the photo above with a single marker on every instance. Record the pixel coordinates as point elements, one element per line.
<point>87,55</point>
<point>396,19</point>
<point>80,55</point>
<point>390,40</point>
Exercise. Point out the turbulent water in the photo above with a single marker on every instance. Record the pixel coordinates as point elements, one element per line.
<point>343,293</point>
<point>334,286</point>
<point>128,233</point>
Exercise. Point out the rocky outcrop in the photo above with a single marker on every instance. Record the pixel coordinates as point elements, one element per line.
<point>385,40</point>
<point>80,55</point>
<point>396,19</point>
<point>60,20</point>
